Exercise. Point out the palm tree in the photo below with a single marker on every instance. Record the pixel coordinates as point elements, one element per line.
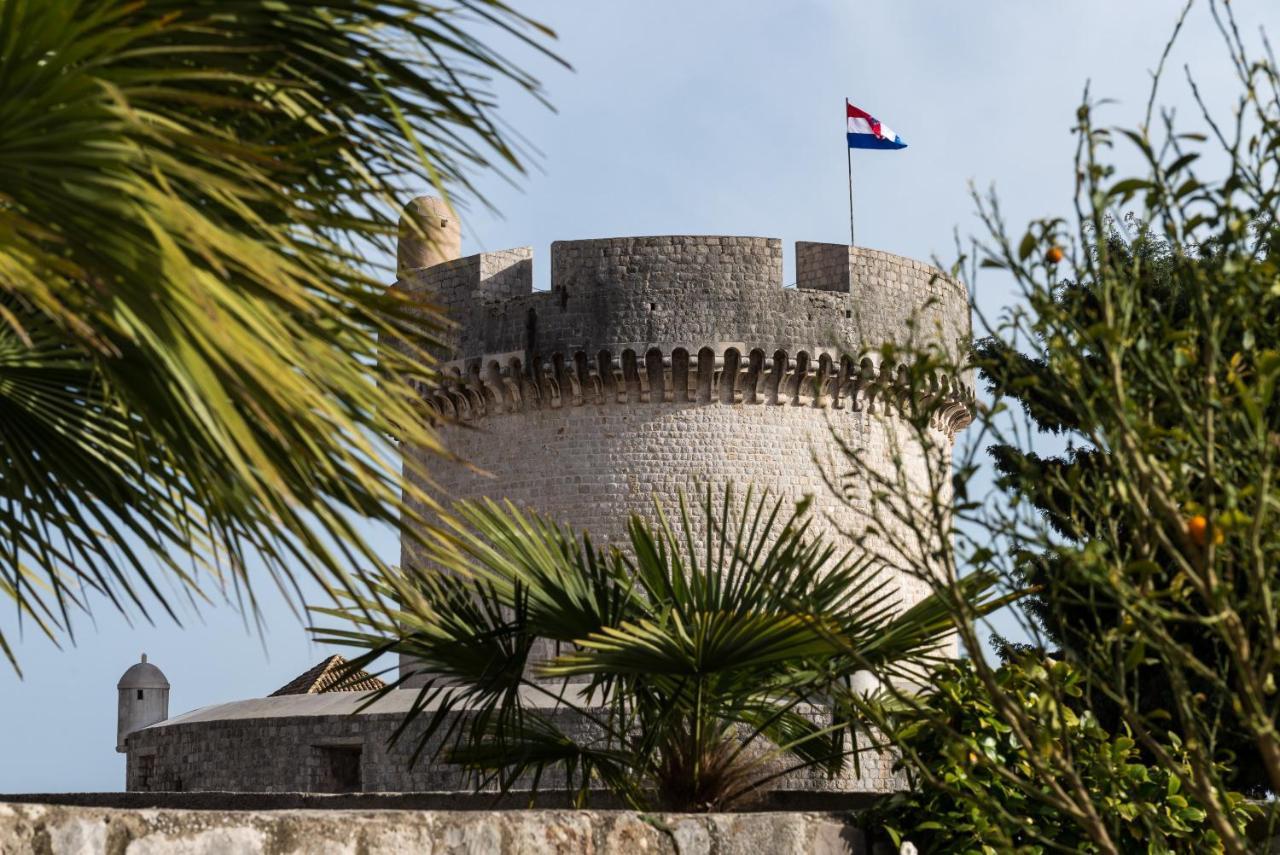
<point>189,364</point>
<point>694,666</point>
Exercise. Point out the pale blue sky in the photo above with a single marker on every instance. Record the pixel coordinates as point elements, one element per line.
<point>707,117</point>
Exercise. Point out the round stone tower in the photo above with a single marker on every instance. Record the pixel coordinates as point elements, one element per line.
<point>143,699</point>
<point>660,364</point>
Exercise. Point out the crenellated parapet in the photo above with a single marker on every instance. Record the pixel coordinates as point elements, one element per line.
<point>667,292</point>
<point>478,388</point>
<point>688,319</point>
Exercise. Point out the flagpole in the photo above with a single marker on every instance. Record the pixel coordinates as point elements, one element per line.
<point>849,160</point>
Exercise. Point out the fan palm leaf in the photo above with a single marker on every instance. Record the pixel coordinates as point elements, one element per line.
<point>694,661</point>
<point>190,369</point>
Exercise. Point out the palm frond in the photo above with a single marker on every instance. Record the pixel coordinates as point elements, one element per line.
<point>696,666</point>
<point>199,362</point>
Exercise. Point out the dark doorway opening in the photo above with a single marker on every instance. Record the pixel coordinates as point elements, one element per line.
<point>146,771</point>
<point>340,769</point>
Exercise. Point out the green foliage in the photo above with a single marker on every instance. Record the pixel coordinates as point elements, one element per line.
<point>975,796</point>
<point>190,370</point>
<point>691,668</point>
<point>1073,490</point>
<point>1153,543</point>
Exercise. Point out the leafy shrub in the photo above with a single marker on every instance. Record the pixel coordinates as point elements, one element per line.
<point>976,786</point>
<point>702,654</point>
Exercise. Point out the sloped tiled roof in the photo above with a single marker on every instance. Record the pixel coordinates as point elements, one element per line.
<point>324,678</point>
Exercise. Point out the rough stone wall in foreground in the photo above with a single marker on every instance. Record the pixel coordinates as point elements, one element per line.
<point>59,830</point>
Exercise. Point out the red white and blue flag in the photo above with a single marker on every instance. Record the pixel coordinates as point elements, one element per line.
<point>866,131</point>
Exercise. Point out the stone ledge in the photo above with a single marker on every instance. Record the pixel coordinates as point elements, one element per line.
<point>69,830</point>
<point>796,801</point>
<point>469,390</point>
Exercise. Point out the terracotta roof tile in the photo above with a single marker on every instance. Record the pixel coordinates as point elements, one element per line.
<point>324,678</point>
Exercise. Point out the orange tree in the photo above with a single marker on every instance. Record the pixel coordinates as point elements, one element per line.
<point>1069,608</point>
<point>1153,339</point>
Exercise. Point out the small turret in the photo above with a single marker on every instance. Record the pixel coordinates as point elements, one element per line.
<point>429,235</point>
<point>144,699</point>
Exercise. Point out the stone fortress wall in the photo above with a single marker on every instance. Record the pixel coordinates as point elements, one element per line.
<point>653,365</point>
<point>326,743</point>
<point>660,364</point>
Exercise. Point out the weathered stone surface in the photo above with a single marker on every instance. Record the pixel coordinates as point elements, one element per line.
<point>63,830</point>
<point>662,364</point>
<point>669,363</point>
<point>778,801</point>
<point>281,744</point>
<point>654,365</point>
<point>692,291</point>
<point>429,234</point>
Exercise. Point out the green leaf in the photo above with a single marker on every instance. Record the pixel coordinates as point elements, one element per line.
<point>1027,246</point>
<point>1128,187</point>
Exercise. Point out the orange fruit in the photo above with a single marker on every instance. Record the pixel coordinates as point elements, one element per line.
<point>1054,255</point>
<point>1198,530</point>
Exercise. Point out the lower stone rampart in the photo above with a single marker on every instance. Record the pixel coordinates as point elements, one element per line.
<point>70,830</point>
<point>321,743</point>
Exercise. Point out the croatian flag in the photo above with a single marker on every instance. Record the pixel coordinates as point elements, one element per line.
<point>865,131</point>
